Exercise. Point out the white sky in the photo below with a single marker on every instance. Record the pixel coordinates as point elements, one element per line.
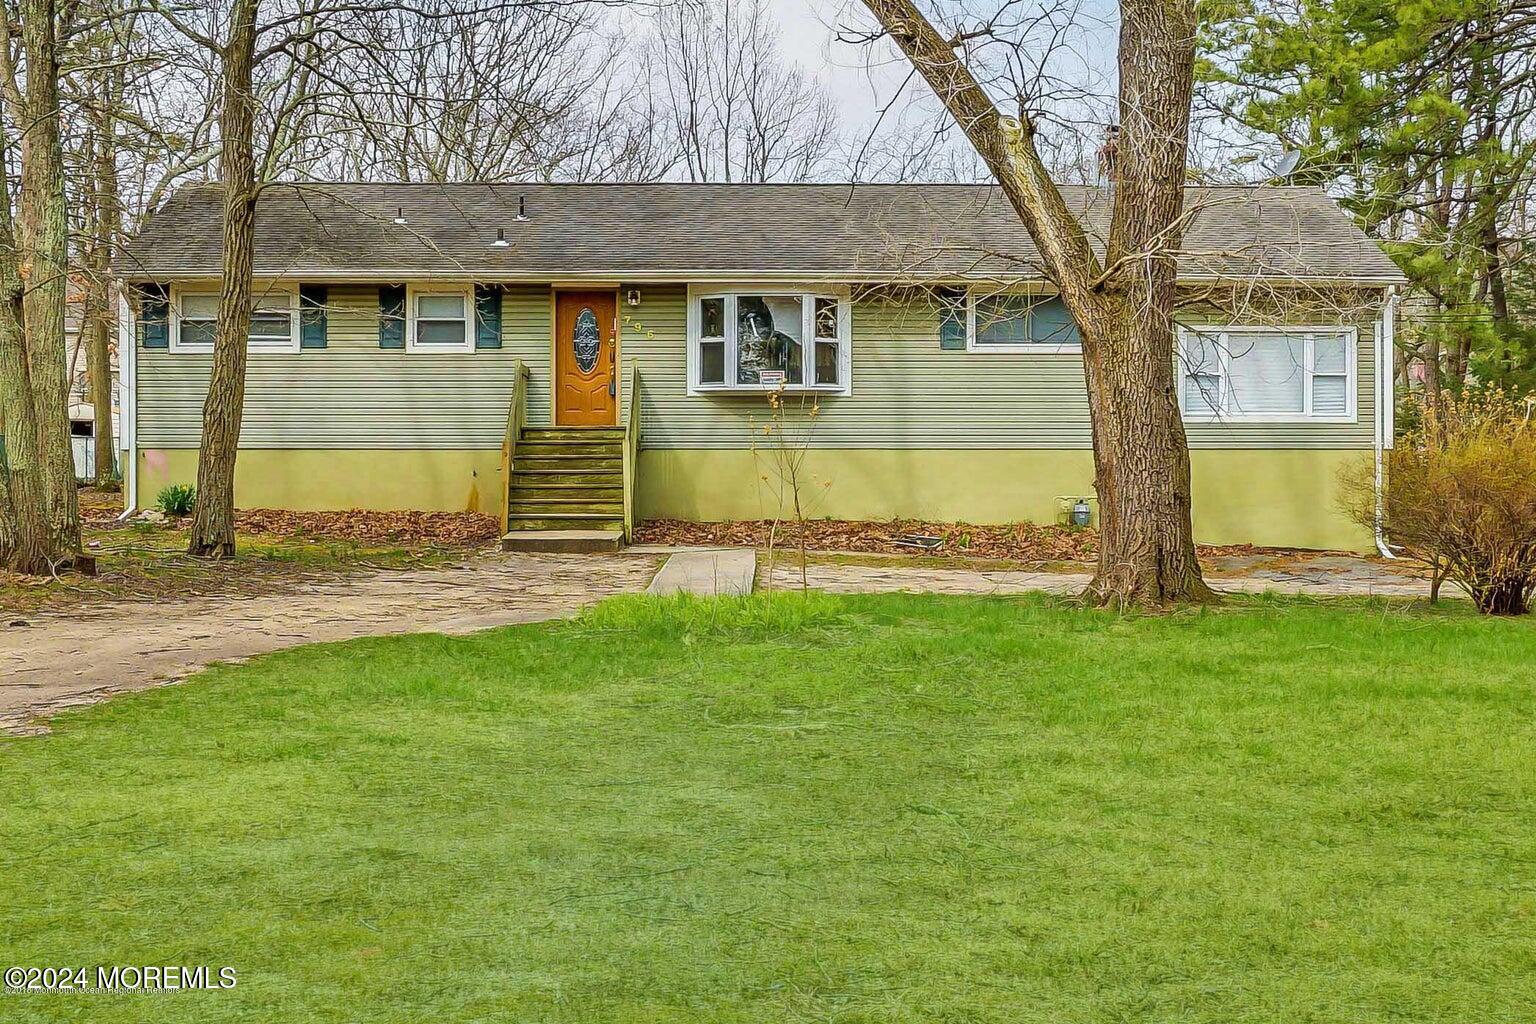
<point>808,35</point>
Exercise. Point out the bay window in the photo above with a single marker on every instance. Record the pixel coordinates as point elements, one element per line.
<point>1267,374</point>
<point>766,340</point>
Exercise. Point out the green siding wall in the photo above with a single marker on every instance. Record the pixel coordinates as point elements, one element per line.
<point>352,394</point>
<point>907,392</point>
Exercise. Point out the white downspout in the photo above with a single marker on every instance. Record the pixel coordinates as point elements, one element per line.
<point>1386,349</point>
<point>128,400</point>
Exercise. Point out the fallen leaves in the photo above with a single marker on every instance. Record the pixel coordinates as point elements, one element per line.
<point>371,527</point>
<point>1014,542</point>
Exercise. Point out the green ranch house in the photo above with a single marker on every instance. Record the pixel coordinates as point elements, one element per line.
<point>584,356</point>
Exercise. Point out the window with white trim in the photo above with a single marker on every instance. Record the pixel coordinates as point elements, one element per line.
<point>441,320</point>
<point>765,340</point>
<point>1012,322</point>
<point>274,321</point>
<point>1267,374</point>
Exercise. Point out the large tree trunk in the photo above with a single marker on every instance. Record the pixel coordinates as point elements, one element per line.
<point>1141,454</point>
<point>1124,304</point>
<point>213,513</point>
<point>25,548</point>
<point>44,238</point>
<point>97,328</point>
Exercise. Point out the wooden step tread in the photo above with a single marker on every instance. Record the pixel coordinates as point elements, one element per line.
<point>562,541</point>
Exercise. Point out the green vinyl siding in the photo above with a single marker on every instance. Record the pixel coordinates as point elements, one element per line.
<point>907,392</point>
<point>352,394</point>
<point>910,393</point>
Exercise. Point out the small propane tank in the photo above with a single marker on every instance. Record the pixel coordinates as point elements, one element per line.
<point>1082,515</point>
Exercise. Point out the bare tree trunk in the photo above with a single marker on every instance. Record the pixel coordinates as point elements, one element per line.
<point>212,531</point>
<point>98,322</point>
<point>44,238</point>
<point>1124,306</point>
<point>26,546</point>
<point>1141,453</point>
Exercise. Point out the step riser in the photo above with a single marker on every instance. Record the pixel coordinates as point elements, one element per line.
<point>590,495</point>
<point>579,542</point>
<point>538,450</point>
<point>568,508</point>
<point>603,434</point>
<point>565,523</point>
<point>565,465</point>
<point>558,481</point>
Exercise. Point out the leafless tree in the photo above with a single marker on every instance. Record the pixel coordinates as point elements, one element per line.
<point>536,93</point>
<point>735,107</point>
<point>1122,300</point>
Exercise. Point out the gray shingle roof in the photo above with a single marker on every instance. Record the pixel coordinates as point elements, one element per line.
<point>635,231</point>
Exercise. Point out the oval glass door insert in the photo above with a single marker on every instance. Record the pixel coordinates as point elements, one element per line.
<point>585,341</point>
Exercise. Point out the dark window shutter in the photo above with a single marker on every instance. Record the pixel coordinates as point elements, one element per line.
<point>154,316</point>
<point>312,302</point>
<point>952,317</point>
<point>392,316</point>
<point>487,316</point>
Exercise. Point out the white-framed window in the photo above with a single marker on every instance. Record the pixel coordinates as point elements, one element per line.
<point>1020,322</point>
<point>274,320</point>
<point>440,319</point>
<point>1268,374</point>
<point>766,339</point>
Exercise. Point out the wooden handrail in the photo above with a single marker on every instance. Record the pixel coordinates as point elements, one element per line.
<point>631,449</point>
<point>517,417</point>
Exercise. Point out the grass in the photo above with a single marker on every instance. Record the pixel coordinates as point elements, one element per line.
<point>870,809</point>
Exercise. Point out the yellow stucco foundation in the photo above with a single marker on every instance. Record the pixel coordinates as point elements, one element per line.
<point>310,479</point>
<point>1255,496</point>
<point>1241,496</point>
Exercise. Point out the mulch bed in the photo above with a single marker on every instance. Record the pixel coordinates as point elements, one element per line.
<point>1015,542</point>
<point>365,527</point>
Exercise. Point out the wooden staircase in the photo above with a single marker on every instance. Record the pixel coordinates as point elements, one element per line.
<point>566,490</point>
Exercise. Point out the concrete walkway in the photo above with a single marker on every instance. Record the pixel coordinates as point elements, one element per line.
<point>53,661</point>
<point>711,572</point>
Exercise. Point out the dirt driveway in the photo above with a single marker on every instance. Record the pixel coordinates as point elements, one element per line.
<point>51,661</point>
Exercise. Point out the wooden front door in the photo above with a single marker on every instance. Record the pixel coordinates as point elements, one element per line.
<point>586,375</point>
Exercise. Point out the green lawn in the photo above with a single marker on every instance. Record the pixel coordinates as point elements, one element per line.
<point>873,809</point>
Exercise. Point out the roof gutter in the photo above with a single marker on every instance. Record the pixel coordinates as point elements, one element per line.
<point>333,276</point>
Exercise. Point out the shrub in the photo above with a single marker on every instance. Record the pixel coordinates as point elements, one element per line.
<point>1461,496</point>
<point>176,500</point>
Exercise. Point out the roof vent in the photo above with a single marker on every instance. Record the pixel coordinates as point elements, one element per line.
<point>501,239</point>
<point>399,215</point>
<point>522,208</point>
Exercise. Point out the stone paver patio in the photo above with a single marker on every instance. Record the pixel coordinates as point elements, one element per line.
<point>53,661</point>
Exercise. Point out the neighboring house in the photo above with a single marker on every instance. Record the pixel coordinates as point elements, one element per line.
<point>82,413</point>
<point>393,322</point>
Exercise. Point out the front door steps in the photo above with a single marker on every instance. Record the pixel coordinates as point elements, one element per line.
<point>566,493</point>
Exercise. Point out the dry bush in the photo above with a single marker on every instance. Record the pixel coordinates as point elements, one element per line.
<point>1461,496</point>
